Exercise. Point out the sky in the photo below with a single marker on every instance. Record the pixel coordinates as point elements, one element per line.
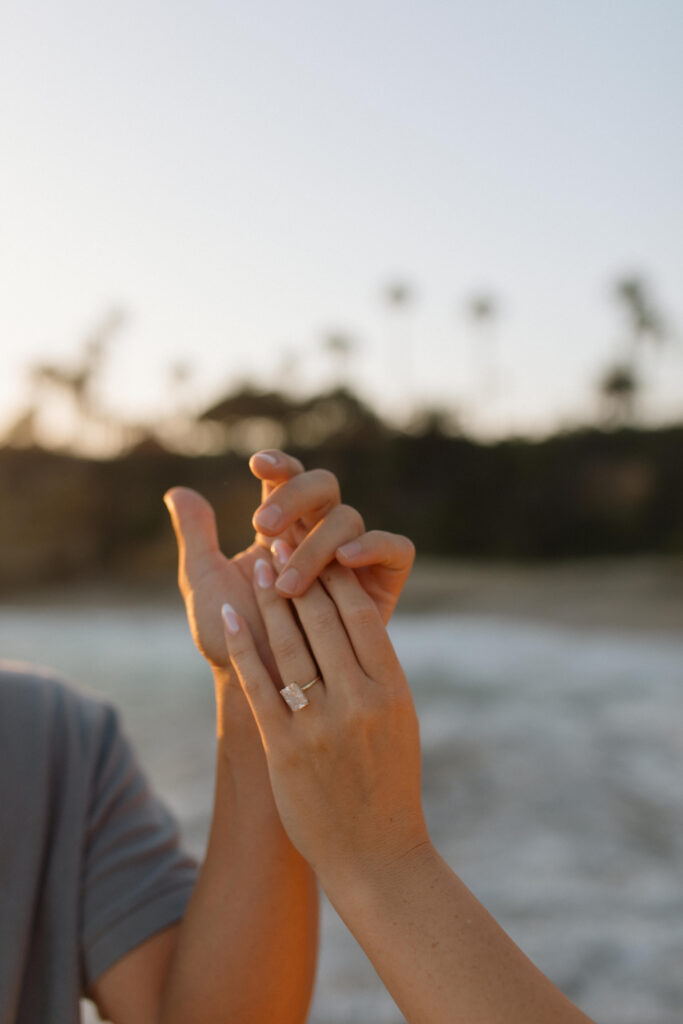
<point>242,179</point>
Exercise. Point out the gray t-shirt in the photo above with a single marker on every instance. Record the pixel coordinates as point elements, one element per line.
<point>90,864</point>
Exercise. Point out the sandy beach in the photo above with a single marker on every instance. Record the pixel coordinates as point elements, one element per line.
<point>643,594</point>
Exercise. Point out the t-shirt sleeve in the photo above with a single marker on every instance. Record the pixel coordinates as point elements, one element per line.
<point>136,880</point>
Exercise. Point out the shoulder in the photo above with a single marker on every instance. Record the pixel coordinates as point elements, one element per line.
<point>37,703</point>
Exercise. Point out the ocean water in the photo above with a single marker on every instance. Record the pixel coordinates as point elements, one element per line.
<point>553,783</point>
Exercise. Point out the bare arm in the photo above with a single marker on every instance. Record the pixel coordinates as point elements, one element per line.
<point>438,951</point>
<point>245,950</point>
<point>254,898</point>
<point>345,772</point>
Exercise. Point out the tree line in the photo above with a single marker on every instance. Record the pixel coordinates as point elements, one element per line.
<point>588,493</point>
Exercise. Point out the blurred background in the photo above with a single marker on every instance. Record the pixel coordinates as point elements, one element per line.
<point>436,248</point>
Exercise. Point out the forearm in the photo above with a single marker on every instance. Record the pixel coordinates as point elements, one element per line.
<point>441,955</point>
<point>246,947</point>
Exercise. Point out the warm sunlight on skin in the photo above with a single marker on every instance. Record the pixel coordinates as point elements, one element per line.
<point>344,763</point>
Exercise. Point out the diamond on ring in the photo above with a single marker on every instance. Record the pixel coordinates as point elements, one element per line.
<point>294,696</point>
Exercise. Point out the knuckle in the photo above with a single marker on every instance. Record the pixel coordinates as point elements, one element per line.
<point>240,651</point>
<point>323,620</point>
<point>291,461</point>
<point>361,715</point>
<point>351,517</point>
<point>318,737</point>
<point>363,615</point>
<point>286,647</point>
<point>327,481</point>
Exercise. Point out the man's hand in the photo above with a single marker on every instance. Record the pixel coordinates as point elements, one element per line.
<point>207,578</point>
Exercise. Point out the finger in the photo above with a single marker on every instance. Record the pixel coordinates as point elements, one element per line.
<point>318,549</point>
<point>377,547</point>
<point>288,644</point>
<point>266,704</point>
<point>194,524</point>
<point>361,620</point>
<point>272,464</point>
<point>306,497</point>
<point>328,640</point>
<point>273,467</point>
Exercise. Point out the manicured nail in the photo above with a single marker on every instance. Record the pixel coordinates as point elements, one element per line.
<point>265,457</point>
<point>264,574</point>
<point>268,517</point>
<point>288,583</point>
<point>350,550</point>
<point>281,551</point>
<point>230,618</point>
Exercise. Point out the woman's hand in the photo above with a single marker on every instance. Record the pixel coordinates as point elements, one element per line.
<point>345,774</point>
<point>309,530</point>
<point>345,770</point>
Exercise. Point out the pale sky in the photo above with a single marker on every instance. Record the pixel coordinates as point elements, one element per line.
<point>244,177</point>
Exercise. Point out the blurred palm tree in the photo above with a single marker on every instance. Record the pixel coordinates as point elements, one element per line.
<point>622,382</point>
<point>77,381</point>
<point>618,388</point>
<point>399,295</point>
<point>339,347</point>
<point>483,310</point>
<point>646,322</point>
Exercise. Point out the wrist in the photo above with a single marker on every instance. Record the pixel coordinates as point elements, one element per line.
<point>237,733</point>
<point>233,714</point>
<point>358,882</point>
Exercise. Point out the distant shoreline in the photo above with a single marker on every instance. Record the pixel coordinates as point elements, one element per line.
<point>630,594</point>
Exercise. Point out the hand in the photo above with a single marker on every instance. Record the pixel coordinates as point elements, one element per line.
<point>345,771</point>
<point>307,535</point>
<point>313,525</point>
<point>207,578</point>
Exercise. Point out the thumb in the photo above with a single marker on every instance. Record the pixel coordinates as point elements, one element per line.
<point>194,524</point>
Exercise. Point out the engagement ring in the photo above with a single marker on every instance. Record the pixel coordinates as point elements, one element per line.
<point>294,694</point>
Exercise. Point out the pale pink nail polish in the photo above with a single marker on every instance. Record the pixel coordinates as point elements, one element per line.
<point>289,581</point>
<point>268,517</point>
<point>264,574</point>
<point>350,550</point>
<point>266,457</point>
<point>281,551</point>
<point>230,618</point>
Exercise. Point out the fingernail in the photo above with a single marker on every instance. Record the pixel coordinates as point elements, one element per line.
<point>266,457</point>
<point>281,551</point>
<point>350,550</point>
<point>230,618</point>
<point>268,517</point>
<point>264,574</point>
<point>289,581</point>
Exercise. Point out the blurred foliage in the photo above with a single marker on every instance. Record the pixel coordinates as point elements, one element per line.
<point>70,515</point>
<point>588,493</point>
